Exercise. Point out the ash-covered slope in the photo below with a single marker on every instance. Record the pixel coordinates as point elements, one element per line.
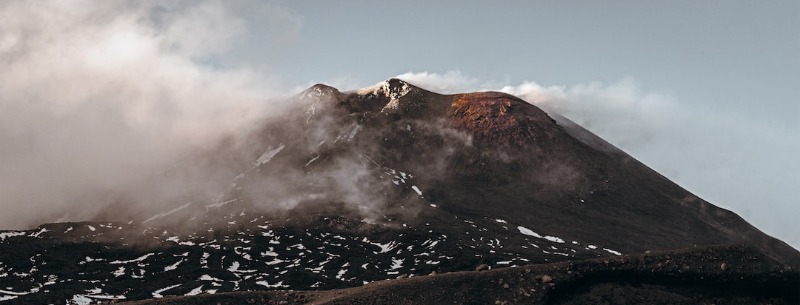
<point>383,182</point>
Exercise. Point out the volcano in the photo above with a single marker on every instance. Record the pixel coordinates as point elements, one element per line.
<point>393,194</point>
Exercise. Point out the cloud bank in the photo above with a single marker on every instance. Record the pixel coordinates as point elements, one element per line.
<point>98,96</point>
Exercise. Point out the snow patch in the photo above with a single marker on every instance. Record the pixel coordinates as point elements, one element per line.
<point>353,133</point>
<point>384,247</point>
<point>207,277</point>
<point>528,232</point>
<point>312,160</point>
<point>195,291</point>
<point>8,292</point>
<point>269,154</point>
<point>79,299</point>
<point>268,285</point>
<point>37,234</point>
<point>219,204</point>
<point>234,267</point>
<point>106,297</point>
<point>396,264</point>
<point>119,272</point>
<point>173,266</point>
<point>157,293</point>
<point>136,260</point>
<point>554,239</point>
<point>5,235</point>
<point>162,214</point>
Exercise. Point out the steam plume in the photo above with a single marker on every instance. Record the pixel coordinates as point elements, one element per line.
<point>97,96</point>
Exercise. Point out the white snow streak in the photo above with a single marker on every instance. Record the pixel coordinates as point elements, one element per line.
<point>162,214</point>
<point>4,235</point>
<point>157,293</point>
<point>268,155</point>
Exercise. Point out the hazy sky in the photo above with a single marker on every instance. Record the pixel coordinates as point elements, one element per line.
<point>705,92</point>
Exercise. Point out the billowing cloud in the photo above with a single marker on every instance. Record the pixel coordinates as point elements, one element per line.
<point>732,159</point>
<point>97,96</point>
<point>448,82</point>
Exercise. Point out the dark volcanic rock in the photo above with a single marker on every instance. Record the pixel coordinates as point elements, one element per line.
<point>394,181</point>
<point>676,277</point>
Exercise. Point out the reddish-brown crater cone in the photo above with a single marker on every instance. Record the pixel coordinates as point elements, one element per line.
<point>500,118</point>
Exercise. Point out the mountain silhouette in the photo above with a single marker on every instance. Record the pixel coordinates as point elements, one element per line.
<point>479,197</point>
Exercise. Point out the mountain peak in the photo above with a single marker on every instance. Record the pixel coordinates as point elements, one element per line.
<point>391,181</point>
<point>393,88</point>
<point>392,96</point>
<point>318,91</point>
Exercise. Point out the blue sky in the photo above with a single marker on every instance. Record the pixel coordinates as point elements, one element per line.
<point>705,92</point>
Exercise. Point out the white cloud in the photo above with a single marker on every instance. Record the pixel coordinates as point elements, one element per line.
<point>203,30</point>
<point>449,82</point>
<point>618,111</point>
<point>98,95</point>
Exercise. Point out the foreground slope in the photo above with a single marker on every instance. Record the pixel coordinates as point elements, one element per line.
<point>390,181</point>
<point>713,275</point>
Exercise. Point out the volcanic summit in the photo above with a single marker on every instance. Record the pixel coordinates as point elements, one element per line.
<point>477,198</point>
